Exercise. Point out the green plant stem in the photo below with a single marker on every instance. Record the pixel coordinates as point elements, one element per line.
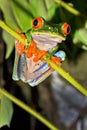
<point>11,32</point>
<point>66,76</point>
<point>28,109</point>
<point>69,8</point>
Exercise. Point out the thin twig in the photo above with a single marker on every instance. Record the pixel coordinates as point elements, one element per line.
<point>70,8</point>
<point>11,32</point>
<point>68,77</point>
<point>28,109</point>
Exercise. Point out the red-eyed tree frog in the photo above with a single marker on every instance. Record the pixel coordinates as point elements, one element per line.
<point>42,40</point>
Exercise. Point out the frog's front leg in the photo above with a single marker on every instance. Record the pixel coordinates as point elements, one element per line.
<point>32,50</point>
<point>39,55</point>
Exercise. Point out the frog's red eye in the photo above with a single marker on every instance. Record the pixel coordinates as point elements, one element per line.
<point>66,28</point>
<point>37,23</point>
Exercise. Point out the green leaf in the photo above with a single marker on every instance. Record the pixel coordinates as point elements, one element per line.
<point>52,10</point>
<point>22,14</point>
<point>6,8</point>
<point>9,40</point>
<point>49,3</point>
<point>80,38</point>
<point>6,111</point>
<point>39,8</point>
<point>11,22</point>
<point>81,35</point>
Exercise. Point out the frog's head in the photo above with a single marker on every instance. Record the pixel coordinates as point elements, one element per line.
<point>46,35</point>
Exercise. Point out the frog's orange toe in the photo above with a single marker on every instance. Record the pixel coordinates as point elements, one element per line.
<point>21,34</point>
<point>56,60</point>
<point>39,55</point>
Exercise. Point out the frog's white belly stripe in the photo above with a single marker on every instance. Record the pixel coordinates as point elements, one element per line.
<point>45,42</point>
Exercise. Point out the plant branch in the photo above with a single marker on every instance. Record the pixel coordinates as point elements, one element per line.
<point>11,32</point>
<point>70,8</point>
<point>28,109</point>
<point>66,76</point>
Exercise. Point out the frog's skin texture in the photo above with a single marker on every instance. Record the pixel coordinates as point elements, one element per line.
<point>42,40</point>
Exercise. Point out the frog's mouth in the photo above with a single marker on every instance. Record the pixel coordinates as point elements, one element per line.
<point>46,42</point>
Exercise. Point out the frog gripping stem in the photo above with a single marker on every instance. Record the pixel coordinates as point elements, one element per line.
<point>40,44</point>
<point>33,70</point>
<point>32,50</point>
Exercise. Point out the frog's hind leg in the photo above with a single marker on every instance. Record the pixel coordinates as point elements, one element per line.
<point>20,47</point>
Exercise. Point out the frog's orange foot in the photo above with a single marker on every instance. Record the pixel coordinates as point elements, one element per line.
<point>19,47</point>
<point>31,49</point>
<point>21,34</point>
<point>39,55</point>
<point>56,60</point>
